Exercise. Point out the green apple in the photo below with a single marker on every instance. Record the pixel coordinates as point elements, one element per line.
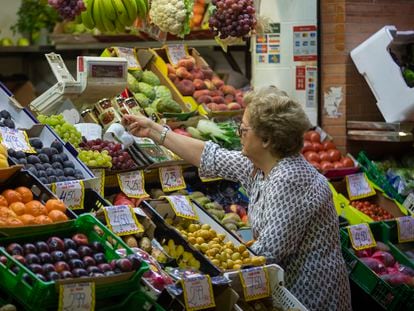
<point>23,42</point>
<point>6,42</point>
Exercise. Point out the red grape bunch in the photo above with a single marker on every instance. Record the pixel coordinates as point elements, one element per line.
<point>68,9</point>
<point>233,18</point>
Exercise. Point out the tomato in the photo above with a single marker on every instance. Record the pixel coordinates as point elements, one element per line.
<point>307,146</point>
<point>315,137</point>
<point>307,135</point>
<point>317,146</point>
<point>324,156</point>
<point>335,155</point>
<point>327,145</point>
<point>326,165</point>
<point>347,162</point>
<point>312,156</point>
<point>315,164</point>
<point>337,164</point>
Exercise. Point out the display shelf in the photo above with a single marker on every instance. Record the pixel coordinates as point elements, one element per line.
<point>380,131</point>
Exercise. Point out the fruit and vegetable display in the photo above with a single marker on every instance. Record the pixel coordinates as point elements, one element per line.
<point>67,257</point>
<point>380,260</point>
<point>324,155</point>
<point>6,119</point>
<point>200,82</point>
<point>19,208</point>
<point>376,212</point>
<point>65,130</point>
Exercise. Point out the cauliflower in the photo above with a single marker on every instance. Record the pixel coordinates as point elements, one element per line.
<point>169,15</point>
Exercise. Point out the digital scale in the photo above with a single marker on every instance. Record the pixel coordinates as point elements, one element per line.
<point>97,78</point>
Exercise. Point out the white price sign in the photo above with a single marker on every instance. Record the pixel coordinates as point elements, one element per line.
<point>405,229</point>
<point>175,52</point>
<point>132,184</point>
<point>77,297</point>
<point>121,220</point>
<point>361,236</point>
<point>198,293</point>
<point>171,178</point>
<point>182,206</point>
<point>72,193</point>
<point>99,183</point>
<point>16,140</point>
<point>129,55</point>
<point>255,283</point>
<point>358,186</point>
<point>409,202</point>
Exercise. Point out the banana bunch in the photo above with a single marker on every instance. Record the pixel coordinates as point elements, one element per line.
<point>113,15</point>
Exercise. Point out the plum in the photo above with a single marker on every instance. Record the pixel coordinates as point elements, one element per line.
<point>124,264</point>
<point>65,274</point>
<point>22,161</point>
<point>61,266</point>
<point>44,158</point>
<point>27,278</point>
<point>59,172</point>
<point>61,178</point>
<point>36,143</point>
<point>46,151</point>
<point>63,156</point>
<point>41,174</point>
<point>56,244</point>
<point>135,261</point>
<point>52,276</point>
<point>56,158</point>
<point>97,274</point>
<point>70,243</point>
<point>80,239</point>
<point>57,256</point>
<point>99,258</point>
<point>53,151</point>
<point>32,258</point>
<point>76,263</point>
<point>88,261</point>
<point>50,172</point>
<point>19,155</point>
<point>84,250</point>
<point>45,257</point>
<point>57,165</point>
<point>19,258</point>
<point>93,269</point>
<point>52,179</point>
<point>104,267</point>
<point>48,267</point>
<point>47,165</point>
<point>43,180</point>
<point>11,152</point>
<point>97,247</point>
<point>15,249</point>
<point>29,248</point>
<point>33,159</point>
<point>68,164</point>
<point>109,273</point>
<point>15,269</point>
<point>57,145</point>
<point>3,259</point>
<point>71,254</point>
<point>36,268</point>
<point>68,171</point>
<point>39,166</point>
<point>41,277</point>
<point>42,246</point>
<point>79,272</point>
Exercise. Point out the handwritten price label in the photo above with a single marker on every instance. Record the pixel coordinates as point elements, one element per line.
<point>361,236</point>
<point>405,227</point>
<point>130,56</point>
<point>175,52</point>
<point>77,297</point>
<point>358,186</point>
<point>255,283</point>
<point>171,178</point>
<point>409,202</point>
<point>72,193</point>
<point>198,293</point>
<point>182,206</point>
<point>16,140</point>
<point>208,179</point>
<point>132,184</point>
<point>121,220</point>
<point>99,183</point>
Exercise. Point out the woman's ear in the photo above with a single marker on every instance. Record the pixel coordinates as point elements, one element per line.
<point>265,143</point>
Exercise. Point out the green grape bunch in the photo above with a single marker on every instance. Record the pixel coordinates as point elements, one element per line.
<point>95,158</point>
<point>65,130</point>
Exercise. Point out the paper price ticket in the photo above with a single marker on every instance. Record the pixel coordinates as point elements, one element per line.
<point>175,52</point>
<point>358,186</point>
<point>171,178</point>
<point>16,140</point>
<point>99,184</point>
<point>72,193</point>
<point>255,283</point>
<point>77,297</point>
<point>405,226</point>
<point>182,206</point>
<point>121,220</point>
<point>198,293</point>
<point>361,236</point>
<point>132,184</point>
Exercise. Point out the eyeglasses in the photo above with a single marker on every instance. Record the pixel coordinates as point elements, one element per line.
<point>241,130</point>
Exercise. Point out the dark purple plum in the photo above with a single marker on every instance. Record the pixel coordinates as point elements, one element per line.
<point>29,248</point>
<point>42,247</point>
<point>135,261</point>
<point>93,269</point>
<point>79,272</point>
<point>45,257</point>
<point>70,244</point>
<point>97,247</point>
<point>84,250</point>
<point>58,256</point>
<point>97,275</point>
<point>53,276</point>
<point>71,254</point>
<point>48,267</point>
<point>36,268</point>
<point>109,273</point>
<point>89,261</point>
<point>76,263</point>
<point>27,278</point>
<point>15,269</point>
<point>99,258</point>
<point>55,244</point>
<point>65,274</point>
<point>32,258</point>
<point>117,271</point>
<point>41,277</point>
<point>124,264</point>
<point>15,249</point>
<point>104,267</point>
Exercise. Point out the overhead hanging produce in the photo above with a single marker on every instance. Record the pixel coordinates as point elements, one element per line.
<point>68,9</point>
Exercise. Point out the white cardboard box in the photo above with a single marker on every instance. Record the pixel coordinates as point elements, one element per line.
<point>395,99</point>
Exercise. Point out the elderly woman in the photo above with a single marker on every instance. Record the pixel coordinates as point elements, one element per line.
<point>291,210</point>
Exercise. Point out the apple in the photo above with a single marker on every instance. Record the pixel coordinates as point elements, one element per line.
<point>23,42</point>
<point>6,42</point>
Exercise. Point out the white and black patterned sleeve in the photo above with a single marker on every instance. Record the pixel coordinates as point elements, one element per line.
<point>220,162</point>
<point>284,221</point>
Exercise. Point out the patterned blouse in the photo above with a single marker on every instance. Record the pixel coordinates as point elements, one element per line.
<point>294,223</point>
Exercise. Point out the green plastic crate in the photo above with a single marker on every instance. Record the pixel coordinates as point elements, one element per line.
<point>135,301</point>
<point>389,297</point>
<point>44,295</point>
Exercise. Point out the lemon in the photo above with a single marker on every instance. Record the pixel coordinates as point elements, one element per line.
<point>205,227</point>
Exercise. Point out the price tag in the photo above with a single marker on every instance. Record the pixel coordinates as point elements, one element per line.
<point>255,283</point>
<point>409,202</point>
<point>132,184</point>
<point>361,236</point>
<point>358,186</point>
<point>208,179</point>
<point>171,178</point>
<point>198,293</point>
<point>16,140</point>
<point>175,52</point>
<point>72,193</point>
<point>99,183</point>
<point>121,220</point>
<point>182,206</point>
<point>77,297</point>
<point>130,55</point>
<point>405,226</point>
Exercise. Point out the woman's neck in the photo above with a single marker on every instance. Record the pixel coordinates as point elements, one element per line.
<point>266,163</point>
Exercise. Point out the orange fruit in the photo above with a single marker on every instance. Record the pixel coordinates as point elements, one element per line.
<point>3,222</point>
<point>42,220</point>
<point>27,219</point>
<point>18,208</point>
<point>12,196</point>
<point>35,208</point>
<point>3,201</point>
<point>14,222</point>
<point>55,204</point>
<point>6,212</point>
<point>57,216</point>
<point>26,194</point>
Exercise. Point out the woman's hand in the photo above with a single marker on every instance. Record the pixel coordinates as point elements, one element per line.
<point>138,126</point>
